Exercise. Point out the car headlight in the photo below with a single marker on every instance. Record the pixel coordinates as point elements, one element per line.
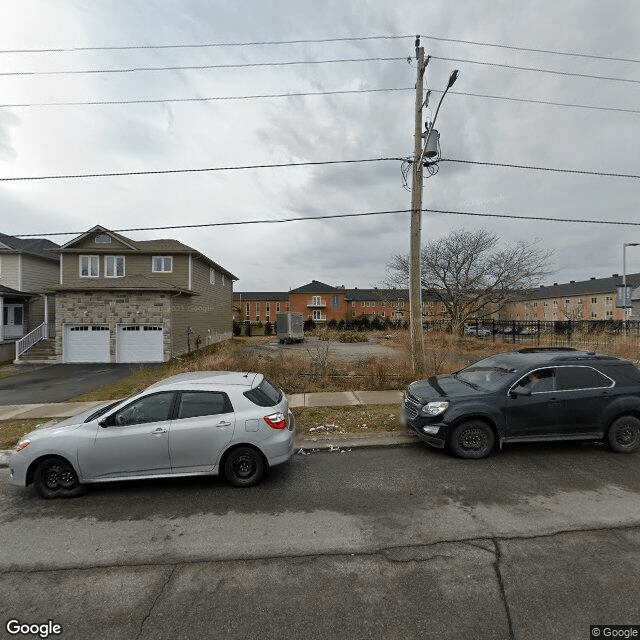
<point>435,408</point>
<point>22,444</point>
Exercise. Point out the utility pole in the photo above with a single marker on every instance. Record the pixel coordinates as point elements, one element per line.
<point>418,355</point>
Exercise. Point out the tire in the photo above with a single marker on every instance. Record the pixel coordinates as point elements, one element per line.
<point>624,434</point>
<point>243,467</point>
<point>472,439</point>
<point>56,478</point>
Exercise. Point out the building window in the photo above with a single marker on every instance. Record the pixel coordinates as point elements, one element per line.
<point>103,238</point>
<point>248,313</point>
<point>222,279</point>
<point>212,276</point>
<point>277,307</point>
<point>89,266</point>
<point>608,300</point>
<point>288,307</point>
<point>317,314</point>
<point>162,264</point>
<point>594,300</point>
<point>268,310</point>
<point>257,312</point>
<point>336,301</point>
<point>316,300</point>
<point>114,266</point>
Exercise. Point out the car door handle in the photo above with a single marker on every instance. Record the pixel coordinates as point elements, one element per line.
<point>223,423</point>
<point>159,431</point>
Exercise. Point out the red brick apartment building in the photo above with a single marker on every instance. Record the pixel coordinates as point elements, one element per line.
<point>322,303</point>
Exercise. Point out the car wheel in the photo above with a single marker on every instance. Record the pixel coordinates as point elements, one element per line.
<point>243,467</point>
<point>56,478</point>
<point>624,434</point>
<point>472,439</point>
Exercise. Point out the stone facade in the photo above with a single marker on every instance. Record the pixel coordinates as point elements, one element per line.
<point>114,308</point>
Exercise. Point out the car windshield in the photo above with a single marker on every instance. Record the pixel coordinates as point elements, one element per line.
<point>488,374</point>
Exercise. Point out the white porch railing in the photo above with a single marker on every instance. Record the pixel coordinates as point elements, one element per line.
<point>29,340</point>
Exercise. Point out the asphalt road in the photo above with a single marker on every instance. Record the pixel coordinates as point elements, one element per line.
<point>535,542</point>
<point>60,382</point>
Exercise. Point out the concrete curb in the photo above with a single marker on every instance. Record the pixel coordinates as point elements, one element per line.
<point>306,445</point>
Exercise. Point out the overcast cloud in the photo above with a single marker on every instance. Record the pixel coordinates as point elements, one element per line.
<point>56,140</point>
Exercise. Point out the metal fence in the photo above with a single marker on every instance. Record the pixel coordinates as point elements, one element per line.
<point>581,334</point>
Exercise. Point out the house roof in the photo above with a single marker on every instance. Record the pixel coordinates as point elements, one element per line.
<point>34,246</point>
<point>144,246</point>
<point>583,287</point>
<point>12,293</point>
<point>267,296</point>
<point>317,287</point>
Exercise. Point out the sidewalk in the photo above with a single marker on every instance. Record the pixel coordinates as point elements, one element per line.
<point>302,444</point>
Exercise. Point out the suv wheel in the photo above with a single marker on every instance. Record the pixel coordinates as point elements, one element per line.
<point>624,434</point>
<point>472,439</point>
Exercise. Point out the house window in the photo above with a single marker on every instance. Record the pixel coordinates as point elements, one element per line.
<point>89,266</point>
<point>222,279</point>
<point>336,302</point>
<point>288,307</point>
<point>608,300</point>
<point>103,238</point>
<point>317,315</point>
<point>316,300</point>
<point>248,309</point>
<point>212,276</point>
<point>268,309</point>
<point>114,266</point>
<point>277,307</point>
<point>257,312</point>
<point>162,264</point>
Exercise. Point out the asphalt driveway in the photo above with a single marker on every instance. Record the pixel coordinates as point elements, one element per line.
<point>60,382</point>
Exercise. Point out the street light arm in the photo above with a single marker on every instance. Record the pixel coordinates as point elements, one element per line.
<point>452,78</point>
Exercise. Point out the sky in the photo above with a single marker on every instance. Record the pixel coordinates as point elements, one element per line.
<point>48,46</point>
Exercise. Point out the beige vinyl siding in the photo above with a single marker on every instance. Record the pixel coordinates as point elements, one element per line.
<point>38,274</point>
<point>138,271</point>
<point>209,314</point>
<point>10,276</point>
<point>89,245</point>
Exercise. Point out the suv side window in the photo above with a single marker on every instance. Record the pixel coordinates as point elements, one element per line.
<point>152,408</point>
<point>540,381</point>
<point>573,378</point>
<point>203,403</point>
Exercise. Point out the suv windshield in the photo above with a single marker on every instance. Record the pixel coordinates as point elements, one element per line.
<point>488,374</point>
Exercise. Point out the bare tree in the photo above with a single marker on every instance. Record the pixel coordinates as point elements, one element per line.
<point>471,275</point>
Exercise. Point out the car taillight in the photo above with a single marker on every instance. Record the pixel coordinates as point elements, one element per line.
<point>276,421</point>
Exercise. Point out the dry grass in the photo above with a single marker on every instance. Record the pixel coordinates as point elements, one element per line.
<point>12,430</point>
<point>319,421</point>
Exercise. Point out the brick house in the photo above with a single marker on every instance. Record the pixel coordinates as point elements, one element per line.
<point>259,306</point>
<point>120,300</point>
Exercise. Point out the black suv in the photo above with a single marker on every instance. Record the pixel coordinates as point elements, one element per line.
<point>529,395</point>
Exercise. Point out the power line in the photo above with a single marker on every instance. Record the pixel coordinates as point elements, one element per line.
<point>311,164</point>
<point>207,45</point>
<point>552,169</point>
<point>205,99</point>
<point>538,70</point>
<point>343,215</point>
<point>532,50</point>
<point>200,67</point>
<point>201,170</point>
<point>266,96</point>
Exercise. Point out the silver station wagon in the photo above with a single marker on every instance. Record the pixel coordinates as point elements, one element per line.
<point>234,423</point>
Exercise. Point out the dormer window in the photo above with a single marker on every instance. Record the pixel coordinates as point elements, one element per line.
<point>103,238</point>
<point>162,264</point>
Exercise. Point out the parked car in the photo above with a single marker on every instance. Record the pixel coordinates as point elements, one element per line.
<point>529,395</point>
<point>201,423</point>
<point>477,330</point>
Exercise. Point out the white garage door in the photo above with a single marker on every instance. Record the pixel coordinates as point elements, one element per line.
<point>86,343</point>
<point>140,343</point>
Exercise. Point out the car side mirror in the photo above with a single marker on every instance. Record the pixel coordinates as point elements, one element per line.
<point>520,391</point>
<point>106,422</point>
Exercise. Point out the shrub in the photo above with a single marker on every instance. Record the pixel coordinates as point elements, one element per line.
<point>352,336</point>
